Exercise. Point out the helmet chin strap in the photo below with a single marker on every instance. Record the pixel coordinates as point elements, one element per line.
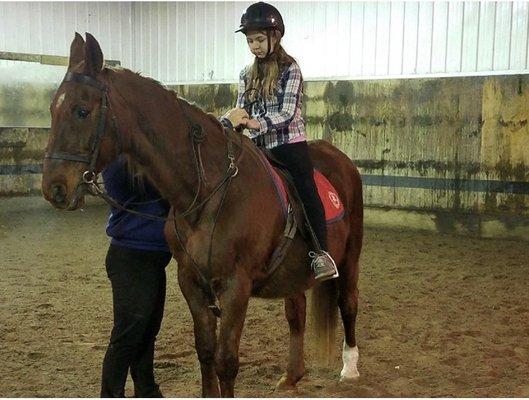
<point>269,44</point>
<point>268,36</point>
<point>269,51</point>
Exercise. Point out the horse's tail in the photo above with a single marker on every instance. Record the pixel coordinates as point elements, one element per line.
<point>324,311</point>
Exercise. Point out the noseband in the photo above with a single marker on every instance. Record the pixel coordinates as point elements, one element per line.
<point>90,159</point>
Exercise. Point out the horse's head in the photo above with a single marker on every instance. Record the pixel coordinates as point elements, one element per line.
<point>81,141</point>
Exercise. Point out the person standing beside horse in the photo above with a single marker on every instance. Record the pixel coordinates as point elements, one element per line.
<point>135,264</point>
<point>274,84</point>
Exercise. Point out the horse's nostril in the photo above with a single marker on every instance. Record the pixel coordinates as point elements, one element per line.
<point>59,194</point>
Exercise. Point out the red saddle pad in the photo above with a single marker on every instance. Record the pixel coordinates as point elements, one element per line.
<point>333,206</point>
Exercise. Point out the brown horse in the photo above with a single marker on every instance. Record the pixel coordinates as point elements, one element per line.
<point>225,221</point>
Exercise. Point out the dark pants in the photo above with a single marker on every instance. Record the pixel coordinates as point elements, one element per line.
<point>296,158</point>
<point>138,290</point>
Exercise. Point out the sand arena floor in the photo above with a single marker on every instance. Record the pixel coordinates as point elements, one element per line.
<point>439,316</point>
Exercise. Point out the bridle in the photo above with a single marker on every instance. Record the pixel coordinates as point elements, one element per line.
<point>197,135</point>
<point>89,175</point>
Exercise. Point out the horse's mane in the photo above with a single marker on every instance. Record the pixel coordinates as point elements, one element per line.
<point>145,79</point>
<point>137,175</point>
<point>250,148</point>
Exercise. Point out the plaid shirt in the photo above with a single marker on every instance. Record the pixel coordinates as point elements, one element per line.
<point>279,117</point>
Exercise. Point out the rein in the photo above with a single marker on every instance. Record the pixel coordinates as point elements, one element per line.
<point>197,135</point>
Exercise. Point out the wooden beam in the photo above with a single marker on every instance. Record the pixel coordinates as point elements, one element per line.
<point>44,59</point>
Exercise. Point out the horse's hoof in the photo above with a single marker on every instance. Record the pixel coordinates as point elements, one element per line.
<point>350,377</point>
<point>285,384</point>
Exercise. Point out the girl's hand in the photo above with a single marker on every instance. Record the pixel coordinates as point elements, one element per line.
<point>237,116</point>
<point>253,124</point>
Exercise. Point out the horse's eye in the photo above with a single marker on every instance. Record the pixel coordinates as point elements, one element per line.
<point>82,113</point>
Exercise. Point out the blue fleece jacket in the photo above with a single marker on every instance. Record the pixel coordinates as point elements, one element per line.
<point>129,230</point>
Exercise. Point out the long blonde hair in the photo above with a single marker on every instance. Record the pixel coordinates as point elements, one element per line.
<point>264,73</point>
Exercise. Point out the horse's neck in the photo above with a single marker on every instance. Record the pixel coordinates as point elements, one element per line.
<point>159,142</point>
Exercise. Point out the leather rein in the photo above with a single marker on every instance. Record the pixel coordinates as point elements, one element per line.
<point>197,135</point>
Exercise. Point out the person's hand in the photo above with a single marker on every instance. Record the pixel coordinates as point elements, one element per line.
<point>237,116</point>
<point>252,124</point>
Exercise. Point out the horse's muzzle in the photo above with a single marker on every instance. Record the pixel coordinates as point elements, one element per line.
<point>59,195</point>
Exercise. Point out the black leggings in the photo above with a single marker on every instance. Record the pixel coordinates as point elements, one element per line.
<point>296,158</point>
<point>138,290</point>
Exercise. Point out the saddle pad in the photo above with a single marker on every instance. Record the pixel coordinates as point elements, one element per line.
<point>333,206</point>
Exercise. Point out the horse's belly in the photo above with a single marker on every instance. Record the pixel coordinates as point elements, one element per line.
<point>294,275</point>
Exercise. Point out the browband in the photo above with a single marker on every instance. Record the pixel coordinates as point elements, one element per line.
<point>85,80</point>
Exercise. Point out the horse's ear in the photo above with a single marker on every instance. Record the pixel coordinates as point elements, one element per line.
<point>76,52</point>
<point>93,56</point>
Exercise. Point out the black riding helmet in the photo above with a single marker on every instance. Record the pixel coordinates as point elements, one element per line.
<point>261,16</point>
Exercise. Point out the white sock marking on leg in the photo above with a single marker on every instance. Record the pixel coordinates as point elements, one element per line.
<point>350,361</point>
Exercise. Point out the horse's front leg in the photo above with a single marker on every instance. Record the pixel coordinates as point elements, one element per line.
<point>234,299</point>
<point>295,310</point>
<point>205,325</point>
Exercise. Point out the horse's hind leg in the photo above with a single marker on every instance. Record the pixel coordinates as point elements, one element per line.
<point>348,303</point>
<point>295,310</point>
<point>204,326</point>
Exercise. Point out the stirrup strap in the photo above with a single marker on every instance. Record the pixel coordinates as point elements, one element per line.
<point>295,194</point>
<point>282,249</point>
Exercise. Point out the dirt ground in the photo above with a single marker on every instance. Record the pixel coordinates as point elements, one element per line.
<point>439,316</point>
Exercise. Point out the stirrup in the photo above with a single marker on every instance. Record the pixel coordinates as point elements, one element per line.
<point>325,274</point>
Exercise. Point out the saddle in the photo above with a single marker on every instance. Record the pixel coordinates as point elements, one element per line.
<point>292,206</point>
<point>286,191</point>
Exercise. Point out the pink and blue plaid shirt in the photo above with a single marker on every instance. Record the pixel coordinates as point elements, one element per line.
<point>279,117</point>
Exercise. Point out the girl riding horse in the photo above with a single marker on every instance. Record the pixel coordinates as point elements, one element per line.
<point>275,80</point>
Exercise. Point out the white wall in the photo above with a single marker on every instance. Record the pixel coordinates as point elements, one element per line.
<point>194,41</point>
